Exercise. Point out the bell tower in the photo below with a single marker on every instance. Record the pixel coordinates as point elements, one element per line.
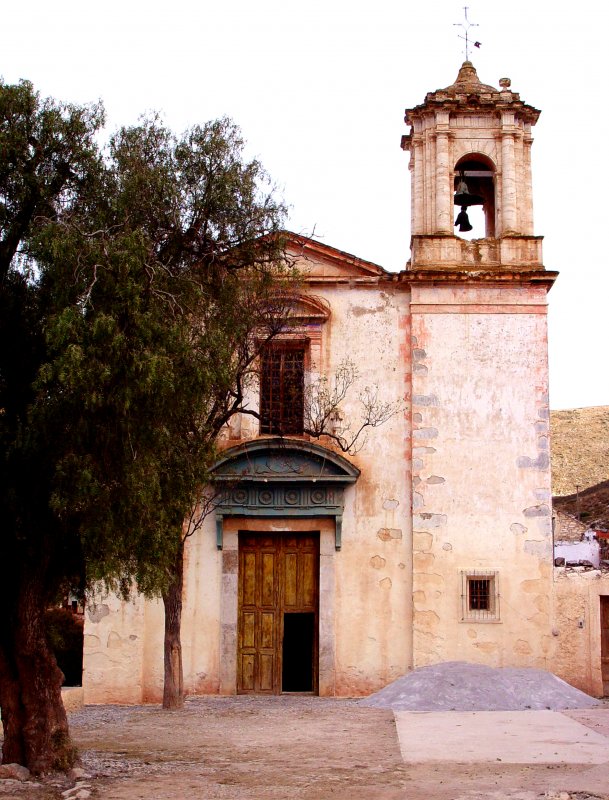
<point>478,382</point>
<point>470,144</point>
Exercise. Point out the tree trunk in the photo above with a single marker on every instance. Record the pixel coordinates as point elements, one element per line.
<point>36,731</point>
<point>173,689</point>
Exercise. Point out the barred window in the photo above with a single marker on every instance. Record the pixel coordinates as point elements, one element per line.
<point>282,389</point>
<point>480,596</point>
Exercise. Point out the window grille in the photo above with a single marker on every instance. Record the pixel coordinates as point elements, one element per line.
<point>282,389</point>
<point>480,596</point>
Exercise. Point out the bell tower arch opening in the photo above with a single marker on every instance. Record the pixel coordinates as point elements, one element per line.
<point>474,187</point>
<point>472,140</point>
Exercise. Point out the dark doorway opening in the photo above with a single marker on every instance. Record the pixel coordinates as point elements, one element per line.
<point>298,652</point>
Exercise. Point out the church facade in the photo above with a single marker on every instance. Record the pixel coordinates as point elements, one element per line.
<point>331,573</point>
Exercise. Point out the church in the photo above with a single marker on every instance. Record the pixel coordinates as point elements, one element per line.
<point>334,574</point>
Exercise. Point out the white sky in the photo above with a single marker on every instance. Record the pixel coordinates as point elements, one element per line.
<point>320,89</point>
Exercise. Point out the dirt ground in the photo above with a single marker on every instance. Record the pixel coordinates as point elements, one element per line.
<point>255,748</point>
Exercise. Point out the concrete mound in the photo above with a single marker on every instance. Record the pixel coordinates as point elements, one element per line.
<point>460,686</point>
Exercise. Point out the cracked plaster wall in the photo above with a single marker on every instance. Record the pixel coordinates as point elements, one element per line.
<point>371,617</point>
<point>481,480</point>
<point>576,627</point>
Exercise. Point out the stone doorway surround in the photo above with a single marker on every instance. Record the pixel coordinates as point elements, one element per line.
<point>229,599</point>
<point>280,485</point>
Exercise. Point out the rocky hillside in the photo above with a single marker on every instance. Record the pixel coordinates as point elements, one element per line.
<point>580,457</point>
<point>580,448</point>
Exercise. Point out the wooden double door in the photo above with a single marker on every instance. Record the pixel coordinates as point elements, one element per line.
<point>278,616</point>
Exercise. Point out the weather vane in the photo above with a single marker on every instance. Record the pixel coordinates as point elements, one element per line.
<point>466,26</point>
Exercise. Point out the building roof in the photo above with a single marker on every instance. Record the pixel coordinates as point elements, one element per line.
<point>468,93</point>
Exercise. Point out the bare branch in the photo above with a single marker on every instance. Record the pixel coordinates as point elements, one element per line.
<point>323,416</point>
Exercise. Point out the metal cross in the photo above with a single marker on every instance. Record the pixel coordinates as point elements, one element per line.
<point>466,26</point>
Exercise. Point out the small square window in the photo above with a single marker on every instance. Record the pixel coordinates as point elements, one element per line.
<point>480,596</point>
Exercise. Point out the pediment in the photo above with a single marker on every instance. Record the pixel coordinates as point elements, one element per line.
<point>281,460</point>
<point>320,262</point>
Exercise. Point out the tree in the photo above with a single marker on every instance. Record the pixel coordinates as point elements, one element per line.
<point>137,289</point>
<point>47,154</point>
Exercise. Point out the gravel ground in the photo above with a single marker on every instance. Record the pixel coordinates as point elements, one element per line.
<point>459,686</point>
<point>286,748</point>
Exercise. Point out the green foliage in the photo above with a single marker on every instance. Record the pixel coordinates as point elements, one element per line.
<point>135,302</point>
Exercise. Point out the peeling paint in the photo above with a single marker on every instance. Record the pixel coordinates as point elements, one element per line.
<point>362,311</point>
<point>421,450</point>
<point>390,505</point>
<point>418,501</point>
<point>426,521</point>
<point>419,369</point>
<point>516,527</point>
<point>487,647</point>
<point>377,562</point>
<point>541,462</point>
<point>417,417</point>
<point>98,612</point>
<point>423,561</point>
<point>435,479</point>
<point>430,579</point>
<point>426,619</point>
<point>422,541</point>
<point>385,534</point>
<point>447,546</point>
<point>418,354</point>
<point>385,583</point>
<point>425,433</point>
<point>536,548</point>
<point>425,400</point>
<point>541,510</point>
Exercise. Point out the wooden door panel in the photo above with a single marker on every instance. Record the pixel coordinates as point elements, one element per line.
<point>249,579</point>
<point>267,582</point>
<point>290,586</point>
<point>309,580</point>
<point>267,630</point>
<point>248,629</point>
<point>267,673</point>
<point>247,672</point>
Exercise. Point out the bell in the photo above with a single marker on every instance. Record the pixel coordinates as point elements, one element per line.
<point>463,221</point>
<point>464,198</point>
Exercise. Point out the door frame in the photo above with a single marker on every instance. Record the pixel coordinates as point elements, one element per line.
<point>229,603</point>
<point>260,542</point>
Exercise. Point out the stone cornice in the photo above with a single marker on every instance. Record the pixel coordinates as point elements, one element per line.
<point>500,276</point>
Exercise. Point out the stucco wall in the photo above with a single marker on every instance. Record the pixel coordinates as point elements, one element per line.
<point>370,620</point>
<point>576,627</point>
<point>373,569</point>
<point>481,479</point>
